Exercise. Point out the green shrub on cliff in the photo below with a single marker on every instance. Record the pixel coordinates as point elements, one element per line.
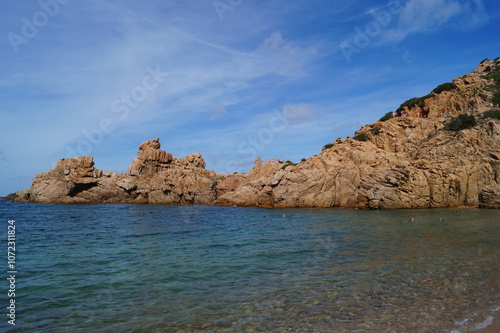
<point>287,164</point>
<point>494,114</point>
<point>495,77</point>
<point>427,96</point>
<point>410,103</point>
<point>445,87</point>
<point>463,121</point>
<point>496,99</point>
<point>386,117</point>
<point>328,145</point>
<point>420,101</point>
<point>361,137</point>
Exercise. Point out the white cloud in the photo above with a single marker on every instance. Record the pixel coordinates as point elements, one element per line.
<point>283,57</point>
<point>427,15</point>
<point>111,52</point>
<point>477,16</point>
<point>423,16</point>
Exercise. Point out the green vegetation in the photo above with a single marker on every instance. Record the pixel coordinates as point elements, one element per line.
<point>495,76</point>
<point>387,116</point>
<point>463,121</point>
<point>496,99</point>
<point>420,101</point>
<point>375,130</point>
<point>361,137</point>
<point>329,145</point>
<point>427,96</point>
<point>287,164</point>
<point>410,103</point>
<point>494,114</point>
<point>303,160</point>
<point>445,87</point>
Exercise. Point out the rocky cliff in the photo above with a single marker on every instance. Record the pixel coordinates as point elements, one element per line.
<point>440,150</point>
<point>408,161</point>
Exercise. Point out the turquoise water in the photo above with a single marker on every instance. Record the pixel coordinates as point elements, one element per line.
<point>153,268</point>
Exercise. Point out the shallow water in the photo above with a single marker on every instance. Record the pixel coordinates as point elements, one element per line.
<point>153,268</point>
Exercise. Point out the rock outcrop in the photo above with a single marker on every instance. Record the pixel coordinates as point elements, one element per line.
<point>409,161</point>
<point>151,159</point>
<point>153,177</point>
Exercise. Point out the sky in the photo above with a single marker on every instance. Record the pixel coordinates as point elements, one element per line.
<point>231,79</point>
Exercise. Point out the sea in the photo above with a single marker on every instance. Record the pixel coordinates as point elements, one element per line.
<point>156,268</point>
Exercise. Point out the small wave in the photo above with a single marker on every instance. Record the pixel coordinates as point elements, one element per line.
<point>460,323</point>
<point>485,323</point>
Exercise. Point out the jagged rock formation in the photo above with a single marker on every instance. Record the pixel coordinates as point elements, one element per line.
<point>67,179</point>
<point>410,161</point>
<point>150,160</point>
<point>153,177</point>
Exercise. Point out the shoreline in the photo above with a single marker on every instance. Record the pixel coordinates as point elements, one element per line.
<point>494,327</point>
<point>242,206</point>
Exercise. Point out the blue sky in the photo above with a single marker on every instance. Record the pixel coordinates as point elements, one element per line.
<point>232,79</point>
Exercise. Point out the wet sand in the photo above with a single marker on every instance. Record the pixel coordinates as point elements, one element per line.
<point>493,328</point>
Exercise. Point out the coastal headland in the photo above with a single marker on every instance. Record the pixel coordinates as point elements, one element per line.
<point>439,150</point>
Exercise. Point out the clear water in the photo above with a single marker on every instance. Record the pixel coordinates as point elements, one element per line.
<point>153,268</point>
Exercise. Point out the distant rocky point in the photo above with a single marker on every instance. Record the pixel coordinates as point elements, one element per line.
<point>153,177</point>
<point>439,150</point>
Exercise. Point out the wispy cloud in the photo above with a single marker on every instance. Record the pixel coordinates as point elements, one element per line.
<point>424,16</point>
<point>477,15</point>
<point>427,15</point>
